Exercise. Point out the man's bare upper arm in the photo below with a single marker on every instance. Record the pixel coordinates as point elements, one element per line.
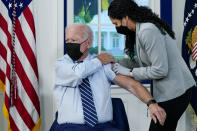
<point>126,82</point>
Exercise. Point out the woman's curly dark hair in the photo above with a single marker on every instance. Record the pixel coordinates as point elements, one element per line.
<point>119,9</point>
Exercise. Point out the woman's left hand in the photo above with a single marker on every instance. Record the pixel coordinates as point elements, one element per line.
<point>118,69</point>
<point>157,113</point>
<point>105,58</point>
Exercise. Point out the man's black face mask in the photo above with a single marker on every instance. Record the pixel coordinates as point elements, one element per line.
<point>73,50</point>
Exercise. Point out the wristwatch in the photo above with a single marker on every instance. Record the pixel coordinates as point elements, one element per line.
<point>152,101</point>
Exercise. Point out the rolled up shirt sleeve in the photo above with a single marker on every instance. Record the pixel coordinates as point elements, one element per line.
<point>109,73</point>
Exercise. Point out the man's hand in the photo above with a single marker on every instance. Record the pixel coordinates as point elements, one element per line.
<point>105,58</point>
<point>136,88</point>
<point>157,113</point>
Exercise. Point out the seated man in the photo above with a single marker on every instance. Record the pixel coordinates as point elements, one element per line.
<point>82,86</point>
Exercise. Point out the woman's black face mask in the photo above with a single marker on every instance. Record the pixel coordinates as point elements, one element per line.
<point>73,50</point>
<point>123,30</point>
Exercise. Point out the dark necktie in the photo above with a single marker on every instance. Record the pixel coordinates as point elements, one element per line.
<point>89,110</point>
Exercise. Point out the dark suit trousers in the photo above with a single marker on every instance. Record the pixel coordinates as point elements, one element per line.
<point>174,109</point>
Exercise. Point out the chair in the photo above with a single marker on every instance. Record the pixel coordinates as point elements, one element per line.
<point>119,116</point>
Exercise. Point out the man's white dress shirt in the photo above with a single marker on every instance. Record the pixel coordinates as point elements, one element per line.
<point>69,75</point>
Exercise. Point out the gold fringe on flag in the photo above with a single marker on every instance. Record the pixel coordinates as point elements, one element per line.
<point>6,114</point>
<point>193,115</point>
<point>5,111</point>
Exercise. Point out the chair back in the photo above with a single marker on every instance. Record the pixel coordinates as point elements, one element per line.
<point>119,115</point>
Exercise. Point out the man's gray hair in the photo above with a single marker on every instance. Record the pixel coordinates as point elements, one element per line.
<point>85,29</point>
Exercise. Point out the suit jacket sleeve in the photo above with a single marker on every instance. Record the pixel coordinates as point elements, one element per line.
<point>153,46</point>
<point>126,62</point>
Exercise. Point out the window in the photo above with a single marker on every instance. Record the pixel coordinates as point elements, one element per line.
<point>115,40</point>
<point>94,13</point>
<point>103,38</point>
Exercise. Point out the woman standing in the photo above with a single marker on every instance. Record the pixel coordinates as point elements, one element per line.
<point>158,59</point>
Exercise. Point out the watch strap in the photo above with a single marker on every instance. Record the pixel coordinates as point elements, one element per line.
<point>152,101</point>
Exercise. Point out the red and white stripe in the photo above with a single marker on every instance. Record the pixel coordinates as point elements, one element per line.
<point>194,52</point>
<point>25,113</point>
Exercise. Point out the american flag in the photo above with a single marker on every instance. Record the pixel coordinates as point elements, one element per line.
<point>189,49</point>
<point>18,65</point>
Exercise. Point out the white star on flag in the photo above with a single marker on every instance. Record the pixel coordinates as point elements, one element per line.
<point>10,5</point>
<point>192,12</point>
<point>187,19</point>
<point>195,5</point>
<point>185,23</point>
<point>189,14</point>
<point>21,5</point>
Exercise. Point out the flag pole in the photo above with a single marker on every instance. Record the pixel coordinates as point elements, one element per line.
<point>13,85</point>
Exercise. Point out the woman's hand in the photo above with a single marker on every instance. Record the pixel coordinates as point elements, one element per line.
<point>118,69</point>
<point>105,58</point>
